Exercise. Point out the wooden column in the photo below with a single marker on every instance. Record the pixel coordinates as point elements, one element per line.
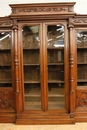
<point>72,70</point>
<point>16,67</point>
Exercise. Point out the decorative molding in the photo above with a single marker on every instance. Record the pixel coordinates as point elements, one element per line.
<point>82,99</point>
<point>6,23</point>
<point>16,61</point>
<point>71,9</point>
<point>37,9</point>
<point>78,20</point>
<point>72,115</point>
<point>43,9</point>
<point>6,100</point>
<point>71,60</point>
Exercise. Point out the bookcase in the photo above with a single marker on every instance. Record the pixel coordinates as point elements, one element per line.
<point>43,64</point>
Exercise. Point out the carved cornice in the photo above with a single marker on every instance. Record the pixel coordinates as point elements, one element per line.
<point>6,99</point>
<point>55,8</point>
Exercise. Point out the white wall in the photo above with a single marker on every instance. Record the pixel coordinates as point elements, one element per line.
<point>80,6</point>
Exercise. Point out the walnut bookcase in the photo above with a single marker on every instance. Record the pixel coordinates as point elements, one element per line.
<point>43,64</point>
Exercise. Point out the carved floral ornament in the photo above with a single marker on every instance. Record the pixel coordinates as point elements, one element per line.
<point>82,99</point>
<point>42,9</point>
<point>6,100</point>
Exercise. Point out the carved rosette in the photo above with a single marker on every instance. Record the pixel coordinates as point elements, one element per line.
<point>6,100</point>
<point>82,99</point>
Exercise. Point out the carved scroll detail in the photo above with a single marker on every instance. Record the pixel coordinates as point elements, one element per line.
<point>5,23</point>
<point>80,21</point>
<point>37,9</point>
<point>82,99</point>
<point>6,100</point>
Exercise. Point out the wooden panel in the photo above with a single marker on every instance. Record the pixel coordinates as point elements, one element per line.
<point>81,98</point>
<point>6,98</point>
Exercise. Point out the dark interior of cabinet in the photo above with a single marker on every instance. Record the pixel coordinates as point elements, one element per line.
<point>5,59</point>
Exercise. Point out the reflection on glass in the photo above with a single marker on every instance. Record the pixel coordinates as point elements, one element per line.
<point>81,40</point>
<point>30,37</point>
<point>55,36</point>
<point>55,58</point>
<point>5,59</point>
<point>31,55</point>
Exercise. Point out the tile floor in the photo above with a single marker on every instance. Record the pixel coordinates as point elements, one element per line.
<point>77,126</point>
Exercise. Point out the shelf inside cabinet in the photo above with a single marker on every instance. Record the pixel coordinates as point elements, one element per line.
<point>55,81</point>
<point>82,80</point>
<point>31,65</point>
<point>6,81</point>
<point>81,63</point>
<point>54,48</point>
<point>5,50</point>
<point>56,95</point>
<point>59,63</point>
<point>32,95</point>
<point>28,82</point>
<point>27,49</point>
<point>81,47</point>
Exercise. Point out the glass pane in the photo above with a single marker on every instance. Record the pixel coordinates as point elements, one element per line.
<point>31,37</point>
<point>31,66</point>
<point>56,95</point>
<point>32,96</point>
<point>81,40</point>
<point>5,59</point>
<point>55,57</point>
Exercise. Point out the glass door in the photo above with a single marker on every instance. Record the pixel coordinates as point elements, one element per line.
<point>31,66</point>
<point>81,40</point>
<point>55,63</point>
<point>5,59</point>
<point>45,67</point>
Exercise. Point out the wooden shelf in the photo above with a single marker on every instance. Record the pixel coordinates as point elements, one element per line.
<point>5,50</point>
<point>26,49</point>
<point>81,47</point>
<point>81,63</point>
<point>55,81</point>
<point>31,82</point>
<point>32,95</point>
<point>82,80</point>
<point>55,63</point>
<point>55,48</point>
<point>56,95</point>
<point>31,64</point>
